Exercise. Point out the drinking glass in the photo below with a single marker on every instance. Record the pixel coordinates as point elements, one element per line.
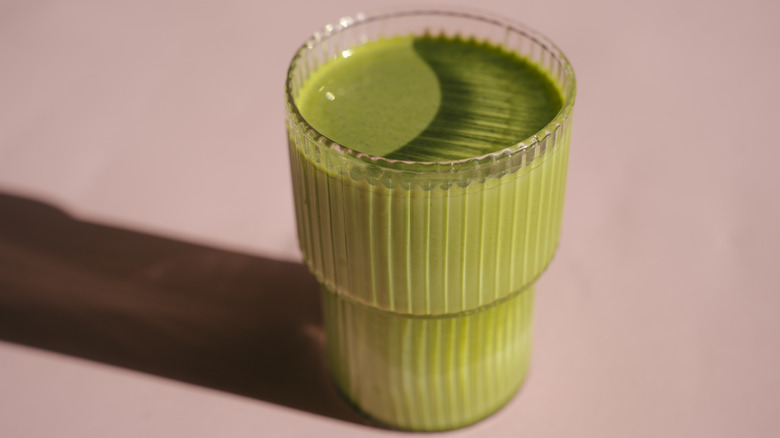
<point>428,268</point>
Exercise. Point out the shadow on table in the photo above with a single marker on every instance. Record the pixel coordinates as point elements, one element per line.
<point>237,323</point>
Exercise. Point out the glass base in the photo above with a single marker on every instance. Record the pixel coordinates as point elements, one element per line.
<point>428,373</point>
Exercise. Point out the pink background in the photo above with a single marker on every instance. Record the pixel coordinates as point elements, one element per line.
<point>171,302</point>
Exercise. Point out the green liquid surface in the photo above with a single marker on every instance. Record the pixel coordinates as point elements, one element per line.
<point>428,99</point>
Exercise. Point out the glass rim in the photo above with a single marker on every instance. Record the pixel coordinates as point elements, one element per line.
<point>528,143</point>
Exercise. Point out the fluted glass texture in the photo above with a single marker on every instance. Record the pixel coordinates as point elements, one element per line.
<point>428,268</point>
<point>429,372</point>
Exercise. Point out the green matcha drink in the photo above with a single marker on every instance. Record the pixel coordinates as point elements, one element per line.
<point>429,173</point>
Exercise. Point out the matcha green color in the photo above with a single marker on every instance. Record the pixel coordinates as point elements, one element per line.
<point>427,288</point>
<point>376,98</point>
<point>429,373</point>
<point>428,99</point>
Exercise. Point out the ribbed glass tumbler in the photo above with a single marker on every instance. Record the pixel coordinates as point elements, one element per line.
<point>428,268</point>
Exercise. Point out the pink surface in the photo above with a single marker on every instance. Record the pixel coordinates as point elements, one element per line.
<point>187,313</point>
